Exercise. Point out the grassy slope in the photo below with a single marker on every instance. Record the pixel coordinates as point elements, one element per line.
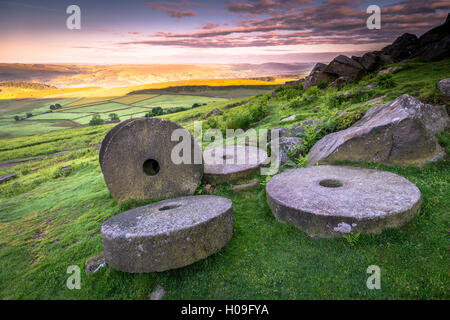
<point>50,219</point>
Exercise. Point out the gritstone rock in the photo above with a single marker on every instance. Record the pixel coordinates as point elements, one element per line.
<point>167,235</point>
<point>331,201</point>
<point>136,161</point>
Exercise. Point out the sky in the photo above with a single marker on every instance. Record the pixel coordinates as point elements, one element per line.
<point>205,31</point>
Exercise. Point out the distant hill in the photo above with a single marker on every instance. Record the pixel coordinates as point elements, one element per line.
<point>68,76</point>
<point>26,85</point>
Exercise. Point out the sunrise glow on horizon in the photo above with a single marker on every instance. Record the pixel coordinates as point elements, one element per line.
<point>183,32</point>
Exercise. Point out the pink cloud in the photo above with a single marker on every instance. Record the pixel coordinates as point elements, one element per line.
<point>174,9</point>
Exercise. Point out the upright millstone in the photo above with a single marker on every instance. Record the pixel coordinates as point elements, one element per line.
<point>224,164</point>
<point>136,161</point>
<point>331,201</point>
<point>167,235</point>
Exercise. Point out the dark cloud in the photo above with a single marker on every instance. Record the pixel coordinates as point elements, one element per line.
<point>283,22</point>
<point>174,9</point>
<point>264,6</point>
<point>210,25</point>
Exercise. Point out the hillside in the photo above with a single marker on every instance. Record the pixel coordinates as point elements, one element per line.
<point>65,76</point>
<point>50,216</point>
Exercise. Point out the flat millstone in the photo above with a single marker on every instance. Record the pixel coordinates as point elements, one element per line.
<point>240,162</point>
<point>350,200</point>
<point>167,235</point>
<point>130,145</point>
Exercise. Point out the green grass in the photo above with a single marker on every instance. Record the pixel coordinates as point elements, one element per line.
<point>172,101</point>
<point>50,219</point>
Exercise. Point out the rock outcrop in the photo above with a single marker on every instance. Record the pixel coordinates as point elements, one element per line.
<point>433,45</point>
<point>288,146</point>
<point>343,66</point>
<point>317,75</point>
<point>444,86</point>
<point>402,48</point>
<point>398,133</point>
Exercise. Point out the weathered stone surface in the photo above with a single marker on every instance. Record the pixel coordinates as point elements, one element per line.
<point>343,66</point>
<point>209,189</point>
<point>299,129</point>
<point>398,133</point>
<point>288,145</point>
<point>66,168</point>
<point>167,235</point>
<point>136,161</point>
<point>224,164</point>
<point>444,86</point>
<point>295,82</point>
<point>434,45</point>
<point>240,187</point>
<point>7,177</point>
<point>331,201</point>
<point>95,263</point>
<point>290,118</point>
<point>158,293</point>
<point>371,61</point>
<point>317,75</point>
<point>339,83</point>
<point>214,112</point>
<point>403,47</point>
<point>390,69</point>
<point>281,133</point>
<point>108,137</point>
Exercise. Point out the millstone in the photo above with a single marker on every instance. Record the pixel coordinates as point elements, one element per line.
<point>330,201</point>
<point>167,235</point>
<point>135,158</point>
<point>223,164</point>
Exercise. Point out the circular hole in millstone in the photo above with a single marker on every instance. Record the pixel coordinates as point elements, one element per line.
<point>170,206</point>
<point>330,183</point>
<point>151,167</point>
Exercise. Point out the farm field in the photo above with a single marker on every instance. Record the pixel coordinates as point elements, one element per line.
<point>78,107</point>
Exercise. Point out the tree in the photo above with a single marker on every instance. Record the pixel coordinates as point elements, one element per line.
<point>157,111</point>
<point>17,118</point>
<point>29,115</point>
<point>114,117</point>
<point>96,120</point>
<point>58,106</point>
<point>52,107</point>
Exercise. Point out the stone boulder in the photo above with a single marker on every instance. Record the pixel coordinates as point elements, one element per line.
<point>214,112</point>
<point>343,66</point>
<point>402,48</point>
<point>398,133</point>
<point>390,70</point>
<point>434,45</point>
<point>167,235</point>
<point>290,118</point>
<point>444,86</point>
<point>281,133</point>
<point>333,201</point>
<point>371,61</point>
<point>299,129</point>
<point>339,83</point>
<point>229,163</point>
<point>295,82</point>
<point>288,146</point>
<point>317,75</point>
<point>7,178</point>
